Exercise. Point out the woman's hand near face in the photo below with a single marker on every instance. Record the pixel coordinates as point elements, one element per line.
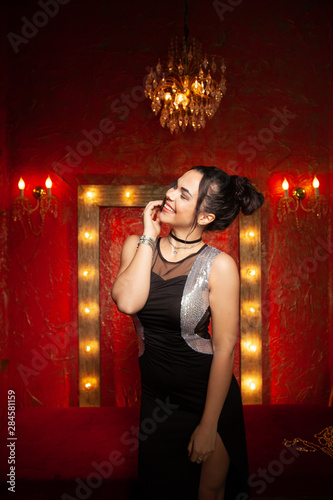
<point>131,287</point>
<point>151,219</point>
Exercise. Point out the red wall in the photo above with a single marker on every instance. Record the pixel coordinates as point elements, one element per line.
<point>86,65</point>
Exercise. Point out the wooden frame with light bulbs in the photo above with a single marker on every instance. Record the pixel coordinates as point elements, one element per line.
<point>250,308</point>
<point>90,199</point>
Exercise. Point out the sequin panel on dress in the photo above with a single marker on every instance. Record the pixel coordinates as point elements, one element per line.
<point>195,301</point>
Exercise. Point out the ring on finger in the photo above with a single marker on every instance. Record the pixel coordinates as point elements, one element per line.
<point>199,460</point>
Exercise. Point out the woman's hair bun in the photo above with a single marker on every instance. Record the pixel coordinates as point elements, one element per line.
<point>224,196</point>
<point>247,196</point>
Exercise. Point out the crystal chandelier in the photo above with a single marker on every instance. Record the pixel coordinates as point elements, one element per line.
<point>189,89</point>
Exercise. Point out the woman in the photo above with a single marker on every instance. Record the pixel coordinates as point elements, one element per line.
<point>192,439</point>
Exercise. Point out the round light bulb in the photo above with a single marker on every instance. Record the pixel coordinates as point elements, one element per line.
<point>252,386</point>
<point>251,272</point>
<point>87,235</point>
<point>88,348</point>
<point>252,309</point>
<point>87,310</point>
<point>88,385</point>
<point>85,273</point>
<point>90,195</point>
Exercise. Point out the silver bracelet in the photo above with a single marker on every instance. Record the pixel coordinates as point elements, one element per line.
<point>146,240</point>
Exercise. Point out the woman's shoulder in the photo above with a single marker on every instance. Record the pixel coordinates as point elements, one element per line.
<point>223,263</point>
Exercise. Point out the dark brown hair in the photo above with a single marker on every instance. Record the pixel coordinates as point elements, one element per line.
<point>225,196</point>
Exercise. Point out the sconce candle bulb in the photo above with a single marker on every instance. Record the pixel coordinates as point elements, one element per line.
<point>285,186</point>
<point>21,186</point>
<point>48,184</point>
<point>315,184</point>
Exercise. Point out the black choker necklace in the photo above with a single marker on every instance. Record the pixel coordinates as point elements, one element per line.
<point>184,241</point>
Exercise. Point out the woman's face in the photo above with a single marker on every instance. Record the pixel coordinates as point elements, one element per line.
<point>181,200</point>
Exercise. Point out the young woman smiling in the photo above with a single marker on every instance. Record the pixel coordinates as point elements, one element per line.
<point>192,444</point>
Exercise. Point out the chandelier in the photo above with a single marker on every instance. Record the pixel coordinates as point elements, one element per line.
<point>189,88</point>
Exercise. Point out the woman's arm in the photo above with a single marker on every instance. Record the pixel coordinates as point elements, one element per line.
<point>224,305</point>
<point>131,287</point>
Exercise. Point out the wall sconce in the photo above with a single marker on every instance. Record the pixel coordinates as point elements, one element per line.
<point>316,203</point>
<point>23,210</point>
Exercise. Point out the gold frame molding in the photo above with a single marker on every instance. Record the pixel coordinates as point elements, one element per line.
<point>93,197</point>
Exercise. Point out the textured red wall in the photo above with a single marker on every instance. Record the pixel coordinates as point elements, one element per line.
<point>3,223</point>
<point>84,68</point>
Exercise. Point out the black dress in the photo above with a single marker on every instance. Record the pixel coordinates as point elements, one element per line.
<point>175,357</point>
